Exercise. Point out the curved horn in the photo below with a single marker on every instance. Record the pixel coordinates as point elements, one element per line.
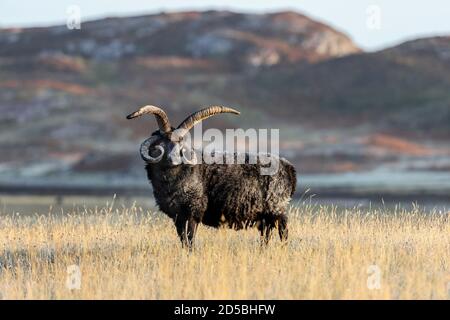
<point>145,148</point>
<point>201,115</point>
<point>161,117</point>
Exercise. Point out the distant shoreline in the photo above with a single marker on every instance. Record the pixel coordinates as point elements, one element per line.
<point>316,193</point>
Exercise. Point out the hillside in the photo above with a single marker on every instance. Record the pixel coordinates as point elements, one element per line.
<point>64,93</point>
<point>402,90</point>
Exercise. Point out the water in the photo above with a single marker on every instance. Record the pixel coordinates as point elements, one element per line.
<point>375,189</point>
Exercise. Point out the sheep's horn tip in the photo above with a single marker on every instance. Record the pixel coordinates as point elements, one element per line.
<point>131,116</point>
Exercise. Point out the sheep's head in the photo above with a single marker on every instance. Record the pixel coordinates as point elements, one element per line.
<point>167,146</point>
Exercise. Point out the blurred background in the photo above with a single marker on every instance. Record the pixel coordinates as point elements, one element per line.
<point>359,90</point>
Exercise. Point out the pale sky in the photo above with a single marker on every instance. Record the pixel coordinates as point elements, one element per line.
<point>400,20</point>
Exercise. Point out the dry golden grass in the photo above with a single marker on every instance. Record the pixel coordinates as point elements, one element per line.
<point>128,253</point>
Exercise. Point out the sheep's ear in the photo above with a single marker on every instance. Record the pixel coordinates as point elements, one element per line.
<point>201,115</point>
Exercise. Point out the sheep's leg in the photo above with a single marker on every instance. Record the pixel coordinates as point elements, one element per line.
<point>265,228</point>
<point>282,227</point>
<point>268,234</point>
<point>186,229</point>
<point>261,228</point>
<point>191,231</point>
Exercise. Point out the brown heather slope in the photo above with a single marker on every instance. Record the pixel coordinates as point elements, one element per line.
<point>403,90</point>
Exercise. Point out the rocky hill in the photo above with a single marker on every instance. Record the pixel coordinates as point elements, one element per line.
<point>233,39</point>
<point>64,93</point>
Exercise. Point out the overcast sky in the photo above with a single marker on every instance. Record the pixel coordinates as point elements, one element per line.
<point>372,24</point>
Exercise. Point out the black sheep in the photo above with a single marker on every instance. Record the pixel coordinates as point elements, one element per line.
<point>236,195</point>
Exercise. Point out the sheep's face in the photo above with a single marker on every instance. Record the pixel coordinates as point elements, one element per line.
<point>167,150</point>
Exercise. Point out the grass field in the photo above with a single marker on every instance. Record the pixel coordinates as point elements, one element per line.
<point>128,253</point>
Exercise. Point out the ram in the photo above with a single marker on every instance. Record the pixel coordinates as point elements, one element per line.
<point>191,192</point>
